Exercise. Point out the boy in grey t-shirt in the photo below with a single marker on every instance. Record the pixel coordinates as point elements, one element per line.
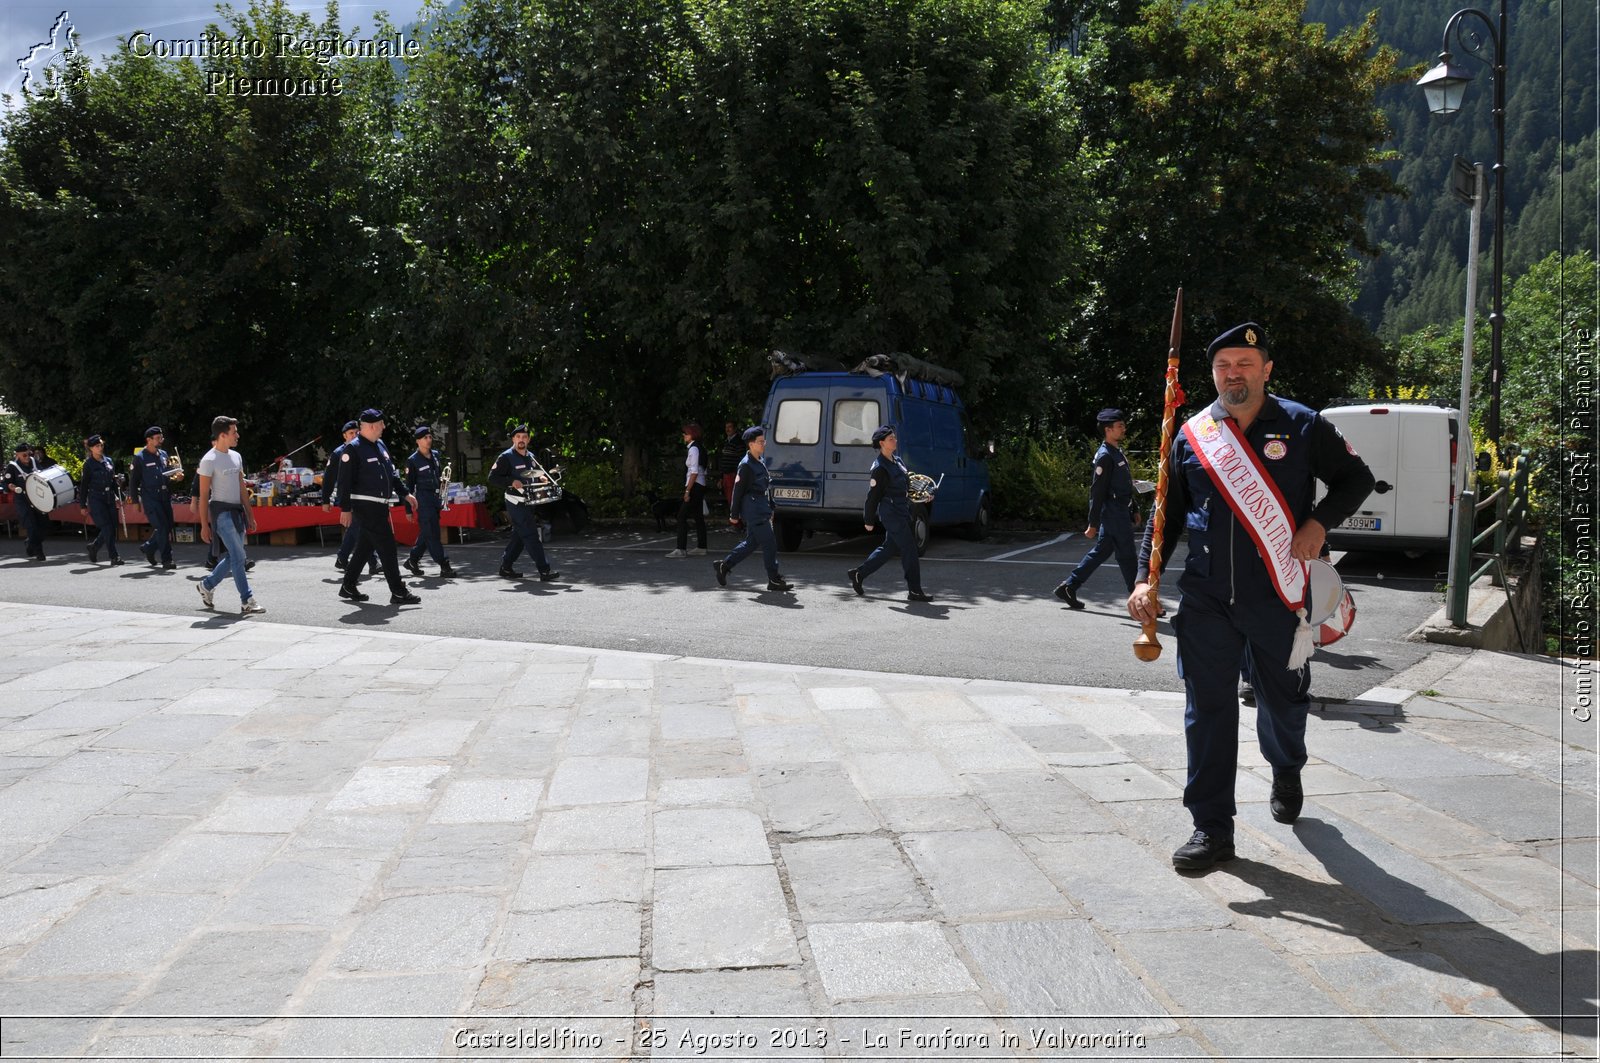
<point>222,510</point>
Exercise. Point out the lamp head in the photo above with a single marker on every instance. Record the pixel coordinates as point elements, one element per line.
<point>1445,86</point>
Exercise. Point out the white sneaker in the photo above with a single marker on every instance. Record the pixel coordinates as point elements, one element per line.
<point>677,553</point>
<point>250,606</point>
<point>697,552</point>
<point>205,595</point>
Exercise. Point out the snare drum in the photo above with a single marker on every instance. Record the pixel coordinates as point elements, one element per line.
<point>49,488</point>
<point>1329,607</point>
<point>539,494</point>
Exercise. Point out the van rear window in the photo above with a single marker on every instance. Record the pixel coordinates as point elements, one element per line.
<point>799,421</point>
<point>854,421</point>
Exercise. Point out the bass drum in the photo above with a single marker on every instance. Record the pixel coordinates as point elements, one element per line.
<point>1330,609</point>
<point>49,488</point>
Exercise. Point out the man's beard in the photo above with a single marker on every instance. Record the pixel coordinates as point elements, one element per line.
<point>1238,395</point>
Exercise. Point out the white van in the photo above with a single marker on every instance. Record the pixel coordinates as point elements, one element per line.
<point>1412,452</point>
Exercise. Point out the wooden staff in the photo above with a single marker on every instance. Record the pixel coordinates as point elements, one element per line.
<point>1147,647</point>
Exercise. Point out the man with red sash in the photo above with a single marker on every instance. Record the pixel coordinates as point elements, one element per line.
<point>1241,482</point>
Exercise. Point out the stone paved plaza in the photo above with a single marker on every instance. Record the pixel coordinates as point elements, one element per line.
<point>223,838</point>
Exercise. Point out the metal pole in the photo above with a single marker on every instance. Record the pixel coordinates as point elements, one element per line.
<point>1462,526</point>
<point>1497,316</point>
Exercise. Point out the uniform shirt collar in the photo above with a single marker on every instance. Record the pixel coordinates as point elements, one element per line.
<point>1270,409</point>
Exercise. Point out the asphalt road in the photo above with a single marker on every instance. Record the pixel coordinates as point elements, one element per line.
<point>993,615</point>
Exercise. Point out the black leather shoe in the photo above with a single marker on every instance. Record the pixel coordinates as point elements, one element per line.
<point>115,561</point>
<point>94,555</point>
<point>169,565</point>
<point>721,568</point>
<point>404,599</point>
<point>1067,593</point>
<point>548,575</point>
<point>918,596</point>
<point>1247,693</point>
<point>1201,851</point>
<point>347,591</point>
<point>149,556</point>
<point>338,564</point>
<point>1287,796</point>
<point>779,585</point>
<point>414,568</point>
<point>248,565</point>
<point>855,582</point>
<point>446,572</point>
<point>509,573</point>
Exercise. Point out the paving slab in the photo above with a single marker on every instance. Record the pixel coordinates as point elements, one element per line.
<point>552,851</point>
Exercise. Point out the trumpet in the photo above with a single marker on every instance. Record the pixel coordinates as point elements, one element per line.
<point>444,485</point>
<point>922,487</point>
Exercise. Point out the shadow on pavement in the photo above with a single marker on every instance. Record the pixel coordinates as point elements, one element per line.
<point>1559,989</point>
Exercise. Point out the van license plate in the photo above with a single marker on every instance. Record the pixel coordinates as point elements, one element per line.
<point>1362,524</point>
<point>798,494</point>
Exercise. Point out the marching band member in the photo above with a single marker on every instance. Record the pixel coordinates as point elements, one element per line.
<point>330,478</point>
<point>1110,510</point>
<point>98,490</point>
<point>150,474</point>
<point>752,504</point>
<point>18,469</point>
<point>368,485</point>
<point>889,504</point>
<point>515,471</point>
<point>1242,483</point>
<point>422,479</point>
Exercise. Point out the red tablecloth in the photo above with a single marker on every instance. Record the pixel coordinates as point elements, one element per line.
<point>277,518</point>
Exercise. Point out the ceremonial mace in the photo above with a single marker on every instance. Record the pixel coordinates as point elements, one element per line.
<point>1147,647</point>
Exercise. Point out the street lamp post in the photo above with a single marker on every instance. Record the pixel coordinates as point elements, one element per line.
<point>1444,86</point>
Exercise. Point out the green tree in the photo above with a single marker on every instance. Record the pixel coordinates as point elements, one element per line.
<point>178,248</point>
<point>1236,149</point>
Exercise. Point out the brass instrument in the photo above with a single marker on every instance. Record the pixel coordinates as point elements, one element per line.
<point>444,486</point>
<point>174,469</point>
<point>922,487</point>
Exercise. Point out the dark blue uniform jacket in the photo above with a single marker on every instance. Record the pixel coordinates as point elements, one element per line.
<point>752,491</point>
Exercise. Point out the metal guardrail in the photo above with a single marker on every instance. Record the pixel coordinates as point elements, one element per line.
<point>1510,502</point>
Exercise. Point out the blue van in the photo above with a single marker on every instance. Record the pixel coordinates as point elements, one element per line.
<point>819,448</point>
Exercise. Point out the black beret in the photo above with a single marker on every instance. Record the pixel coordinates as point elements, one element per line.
<point>521,428</point>
<point>94,440</point>
<point>753,433</point>
<point>422,430</point>
<point>371,416</point>
<point>23,446</point>
<point>153,430</point>
<point>1248,334</point>
<point>350,426</point>
<point>1110,415</point>
<point>883,432</point>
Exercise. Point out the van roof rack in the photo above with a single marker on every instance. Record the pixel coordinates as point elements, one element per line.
<point>904,366</point>
<point>784,364</point>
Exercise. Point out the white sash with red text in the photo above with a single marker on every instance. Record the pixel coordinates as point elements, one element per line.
<point>1237,472</point>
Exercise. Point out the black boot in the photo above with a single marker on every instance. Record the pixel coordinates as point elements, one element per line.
<point>1201,851</point>
<point>94,554</point>
<point>412,567</point>
<point>1287,796</point>
<point>446,572</point>
<point>347,590</point>
<point>509,573</point>
<point>721,569</point>
<point>549,574</point>
<point>1069,594</point>
<point>918,596</point>
<point>855,582</point>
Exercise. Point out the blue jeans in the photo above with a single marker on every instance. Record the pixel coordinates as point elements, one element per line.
<point>524,532</point>
<point>428,536</point>
<point>229,527</point>
<point>103,512</point>
<point>158,510</point>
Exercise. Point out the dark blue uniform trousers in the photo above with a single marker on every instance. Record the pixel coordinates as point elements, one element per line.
<point>1212,639</point>
<point>427,532</point>
<point>757,534</point>
<point>103,512</point>
<point>33,523</point>
<point>377,537</point>
<point>158,511</point>
<point>897,537</point>
<point>1115,536</point>
<point>524,533</point>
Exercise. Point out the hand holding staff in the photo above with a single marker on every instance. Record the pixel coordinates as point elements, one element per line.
<point>1147,647</point>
